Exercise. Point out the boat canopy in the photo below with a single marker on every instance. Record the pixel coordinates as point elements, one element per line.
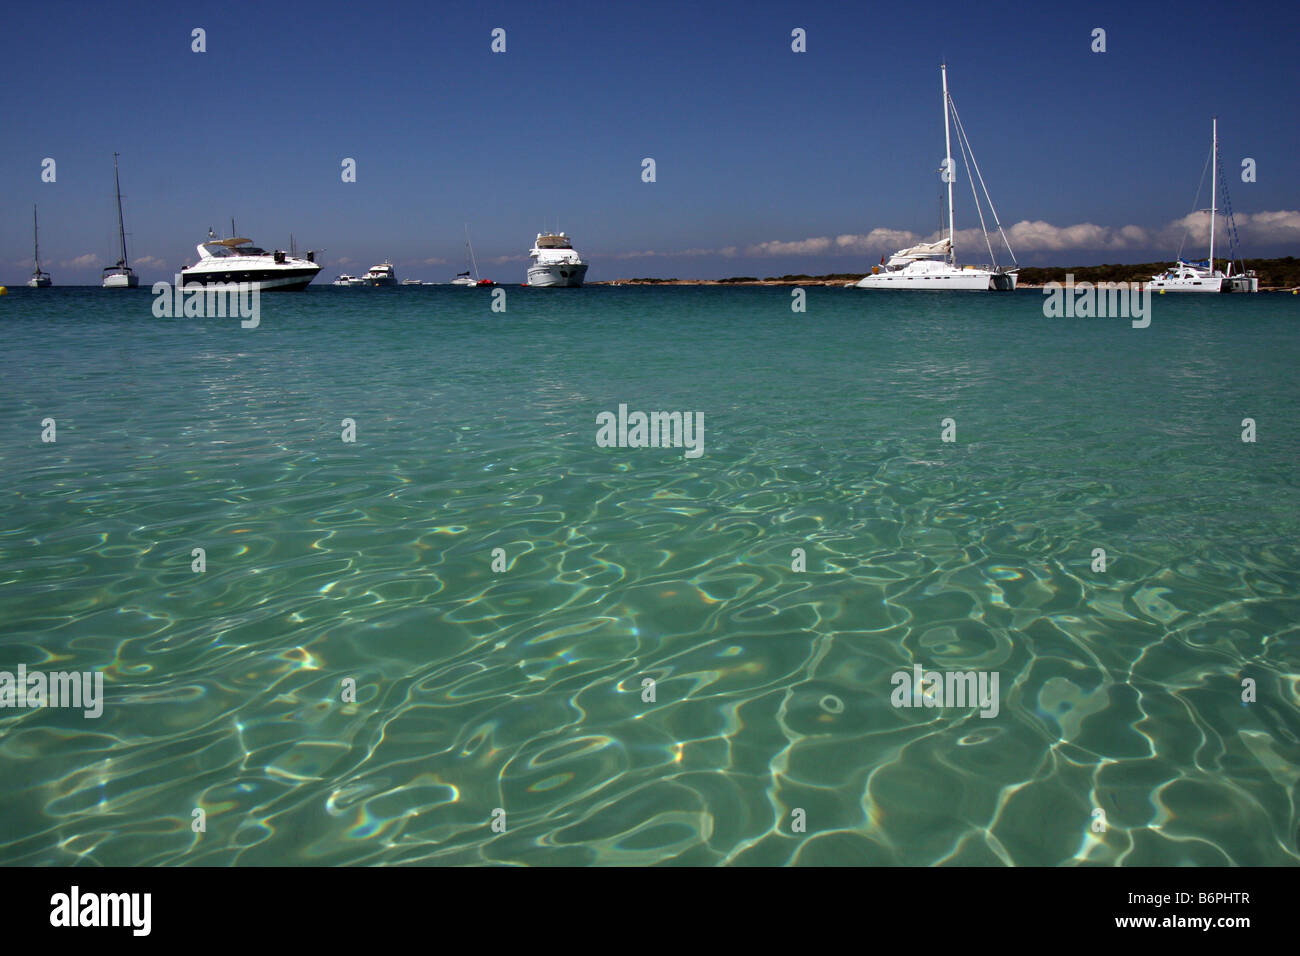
<point>220,248</point>
<point>924,250</point>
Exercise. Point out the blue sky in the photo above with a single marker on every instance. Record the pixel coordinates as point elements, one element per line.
<point>767,161</point>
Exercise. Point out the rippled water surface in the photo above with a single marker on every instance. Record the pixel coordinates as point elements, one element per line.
<point>1120,691</point>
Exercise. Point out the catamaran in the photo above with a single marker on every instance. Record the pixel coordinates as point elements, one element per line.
<point>932,266</point>
<point>1184,276</point>
<point>39,279</point>
<point>120,276</point>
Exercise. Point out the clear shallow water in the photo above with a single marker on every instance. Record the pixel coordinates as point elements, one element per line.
<point>522,690</point>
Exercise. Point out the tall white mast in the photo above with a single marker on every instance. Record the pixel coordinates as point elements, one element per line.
<point>949,173</point>
<point>1214,183</point>
<point>121,229</point>
<point>36,241</point>
<point>470,246</point>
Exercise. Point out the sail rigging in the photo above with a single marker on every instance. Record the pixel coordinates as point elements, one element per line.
<point>973,173</point>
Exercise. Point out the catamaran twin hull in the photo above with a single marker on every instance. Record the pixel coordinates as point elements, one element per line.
<point>557,274</point>
<point>263,279</point>
<point>1187,284</point>
<point>1216,283</point>
<point>963,280</point>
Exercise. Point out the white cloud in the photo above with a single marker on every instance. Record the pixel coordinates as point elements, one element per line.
<point>82,262</point>
<point>1282,225</point>
<point>800,247</point>
<point>1255,229</point>
<point>877,240</point>
<point>1039,236</point>
<point>644,254</point>
<point>729,252</point>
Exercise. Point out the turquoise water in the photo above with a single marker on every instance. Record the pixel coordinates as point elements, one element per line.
<point>521,690</point>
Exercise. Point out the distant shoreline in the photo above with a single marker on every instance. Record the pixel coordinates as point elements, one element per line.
<point>1275,275</point>
<point>815,281</point>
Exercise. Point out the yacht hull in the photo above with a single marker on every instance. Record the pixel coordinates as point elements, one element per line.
<point>557,275</point>
<point>263,280</point>
<point>965,280</point>
<point>1215,284</point>
<point>119,281</point>
<point>1206,284</point>
<point>42,282</point>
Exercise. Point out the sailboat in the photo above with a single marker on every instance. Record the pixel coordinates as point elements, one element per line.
<point>39,279</point>
<point>1184,276</point>
<point>120,276</point>
<point>932,266</point>
<point>463,278</point>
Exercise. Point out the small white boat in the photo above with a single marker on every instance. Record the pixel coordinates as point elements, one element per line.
<point>555,263</point>
<point>39,279</point>
<point>345,280</point>
<point>932,266</point>
<point>1184,276</point>
<point>412,282</point>
<point>121,275</point>
<point>463,278</point>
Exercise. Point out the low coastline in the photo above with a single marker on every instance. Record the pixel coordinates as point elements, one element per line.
<point>1275,275</point>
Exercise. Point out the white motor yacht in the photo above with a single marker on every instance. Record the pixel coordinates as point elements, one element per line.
<point>555,263</point>
<point>223,261</point>
<point>381,275</point>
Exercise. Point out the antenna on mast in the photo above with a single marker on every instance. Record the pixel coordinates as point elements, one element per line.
<point>1214,193</point>
<point>950,172</point>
